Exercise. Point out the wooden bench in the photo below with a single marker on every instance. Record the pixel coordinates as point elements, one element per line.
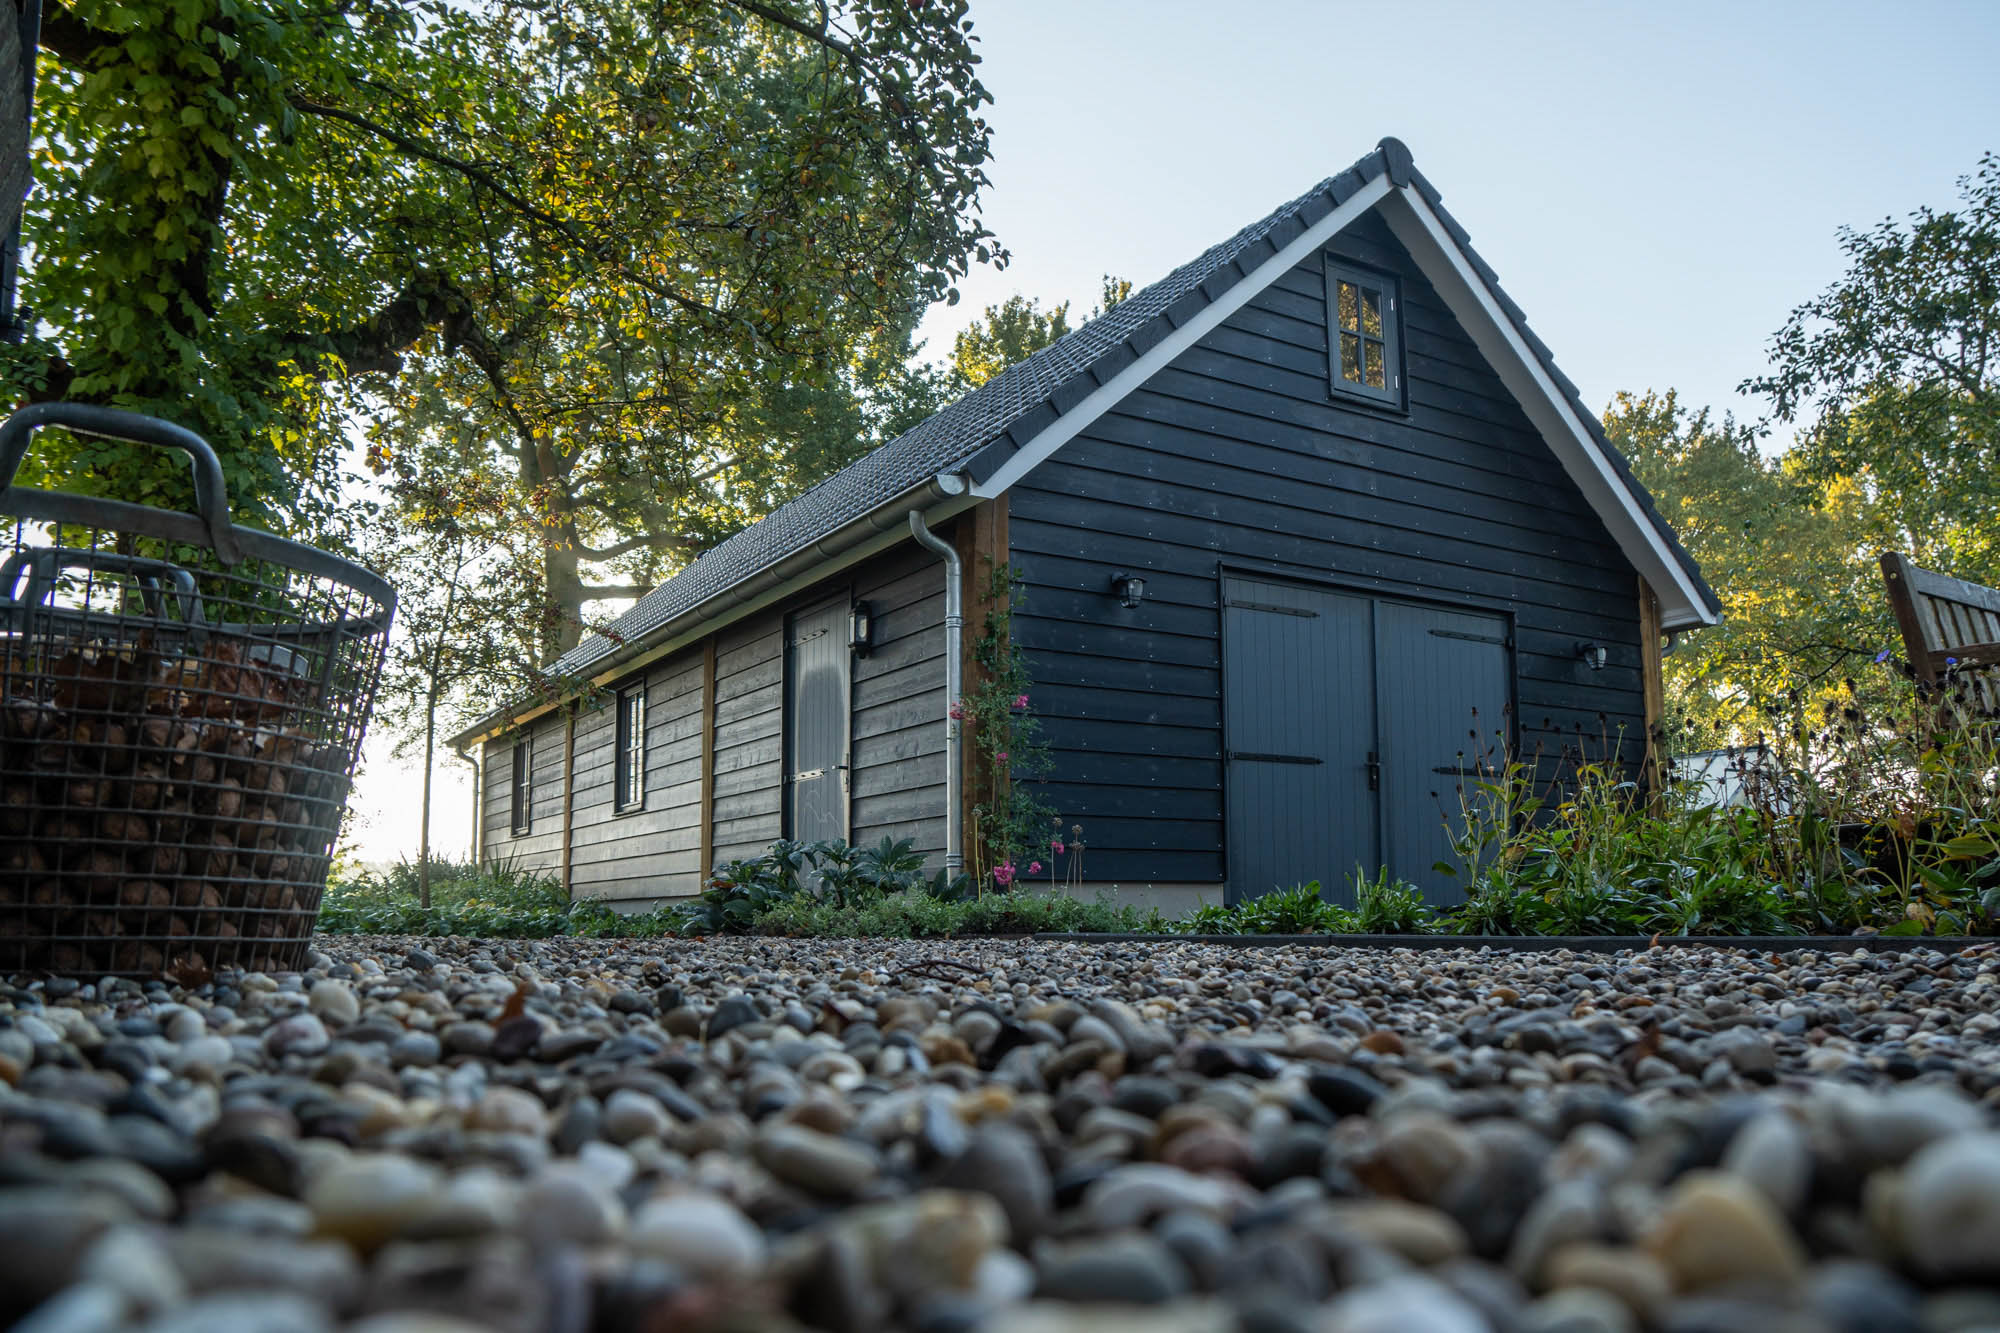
<point>1947,623</point>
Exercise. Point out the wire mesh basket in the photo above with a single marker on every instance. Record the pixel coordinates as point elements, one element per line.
<point>181,708</point>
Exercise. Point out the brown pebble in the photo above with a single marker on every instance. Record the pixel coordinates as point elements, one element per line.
<point>1383,1042</point>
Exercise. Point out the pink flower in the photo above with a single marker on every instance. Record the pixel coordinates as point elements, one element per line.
<point>1000,758</point>
<point>1020,701</point>
<point>1056,847</point>
<point>1003,874</point>
<point>957,710</point>
<point>1034,867</point>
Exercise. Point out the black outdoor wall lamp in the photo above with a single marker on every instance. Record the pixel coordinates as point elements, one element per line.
<point>1131,589</point>
<point>1592,655</point>
<point>860,629</point>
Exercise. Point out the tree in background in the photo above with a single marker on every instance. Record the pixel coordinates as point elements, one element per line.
<point>1015,330</point>
<point>459,641</point>
<point>649,231</point>
<point>1893,377</point>
<point>1780,551</point>
<point>1893,373</point>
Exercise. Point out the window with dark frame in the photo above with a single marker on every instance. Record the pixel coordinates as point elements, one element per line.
<point>630,777</point>
<point>1364,334</point>
<point>521,808</point>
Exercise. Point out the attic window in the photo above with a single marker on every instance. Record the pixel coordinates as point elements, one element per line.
<point>1365,340</point>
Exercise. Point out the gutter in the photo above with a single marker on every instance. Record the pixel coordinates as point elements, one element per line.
<point>802,561</point>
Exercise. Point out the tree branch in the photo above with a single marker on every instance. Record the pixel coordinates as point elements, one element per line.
<point>472,171</point>
<point>69,39</point>
<point>480,176</point>
<point>680,541</point>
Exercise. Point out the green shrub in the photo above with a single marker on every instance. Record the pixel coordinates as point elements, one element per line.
<point>1385,906</point>
<point>501,900</point>
<point>913,914</point>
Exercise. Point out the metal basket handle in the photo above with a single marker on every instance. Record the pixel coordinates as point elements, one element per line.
<point>110,423</point>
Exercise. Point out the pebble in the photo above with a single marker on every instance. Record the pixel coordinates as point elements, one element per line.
<point>630,1114</point>
<point>1132,1195</point>
<point>1051,1136</point>
<point>1403,1304</point>
<point>1950,1205</point>
<point>1716,1229</point>
<point>367,1198</point>
<point>1005,1163</point>
<point>301,1034</point>
<point>816,1161</point>
<point>700,1233</point>
<point>335,1002</point>
<point>1131,1269</point>
<point>1771,1152</point>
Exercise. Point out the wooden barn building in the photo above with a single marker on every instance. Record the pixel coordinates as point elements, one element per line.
<point>1300,528</point>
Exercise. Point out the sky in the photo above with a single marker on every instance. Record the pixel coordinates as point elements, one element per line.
<point>1657,185</point>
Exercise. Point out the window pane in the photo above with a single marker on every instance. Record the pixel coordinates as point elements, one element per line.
<point>1371,313</point>
<point>1376,379</point>
<point>1350,357</point>
<point>1348,318</point>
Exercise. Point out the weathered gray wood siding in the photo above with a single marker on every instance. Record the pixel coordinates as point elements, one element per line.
<point>654,850</point>
<point>749,735</point>
<point>541,847</point>
<point>1238,451</point>
<point>898,779</point>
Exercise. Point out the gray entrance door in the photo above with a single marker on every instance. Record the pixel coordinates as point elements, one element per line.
<point>1299,713</point>
<point>1442,700</point>
<point>1350,721</point>
<point>817,697</point>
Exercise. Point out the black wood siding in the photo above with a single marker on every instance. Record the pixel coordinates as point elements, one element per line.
<point>1239,452</point>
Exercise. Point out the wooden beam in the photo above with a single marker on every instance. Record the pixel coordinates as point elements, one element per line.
<point>981,538</point>
<point>707,797</point>
<point>1653,684</point>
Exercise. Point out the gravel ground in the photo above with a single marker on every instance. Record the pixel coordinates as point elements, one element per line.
<point>1023,1137</point>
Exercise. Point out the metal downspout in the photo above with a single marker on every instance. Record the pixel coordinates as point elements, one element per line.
<point>478,801</point>
<point>954,623</point>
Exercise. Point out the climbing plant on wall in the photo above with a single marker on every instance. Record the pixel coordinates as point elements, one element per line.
<point>1009,832</point>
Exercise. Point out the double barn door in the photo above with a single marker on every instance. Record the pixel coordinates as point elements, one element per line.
<point>1351,723</point>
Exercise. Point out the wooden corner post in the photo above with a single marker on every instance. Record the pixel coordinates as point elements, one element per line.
<point>981,537</point>
<point>707,797</point>
<point>569,791</point>
<point>1653,684</point>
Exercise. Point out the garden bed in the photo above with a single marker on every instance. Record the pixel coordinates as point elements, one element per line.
<point>1550,943</point>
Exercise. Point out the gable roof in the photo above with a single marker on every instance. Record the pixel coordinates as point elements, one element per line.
<point>995,433</point>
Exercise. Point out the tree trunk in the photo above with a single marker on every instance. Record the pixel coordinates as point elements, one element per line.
<point>562,625</point>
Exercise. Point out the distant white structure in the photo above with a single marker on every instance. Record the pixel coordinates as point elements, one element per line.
<point>1728,777</point>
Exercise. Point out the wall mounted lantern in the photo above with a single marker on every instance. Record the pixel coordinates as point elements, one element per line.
<point>1131,589</point>
<point>1593,655</point>
<point>860,629</point>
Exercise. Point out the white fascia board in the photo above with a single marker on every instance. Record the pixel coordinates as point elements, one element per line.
<point>1469,298</point>
<point>1066,427</point>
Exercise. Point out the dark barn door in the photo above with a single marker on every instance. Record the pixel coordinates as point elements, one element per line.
<point>1443,704</point>
<point>1299,713</point>
<point>816,707</point>
<point>1349,721</point>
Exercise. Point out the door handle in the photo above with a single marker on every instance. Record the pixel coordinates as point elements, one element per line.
<point>1374,772</point>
